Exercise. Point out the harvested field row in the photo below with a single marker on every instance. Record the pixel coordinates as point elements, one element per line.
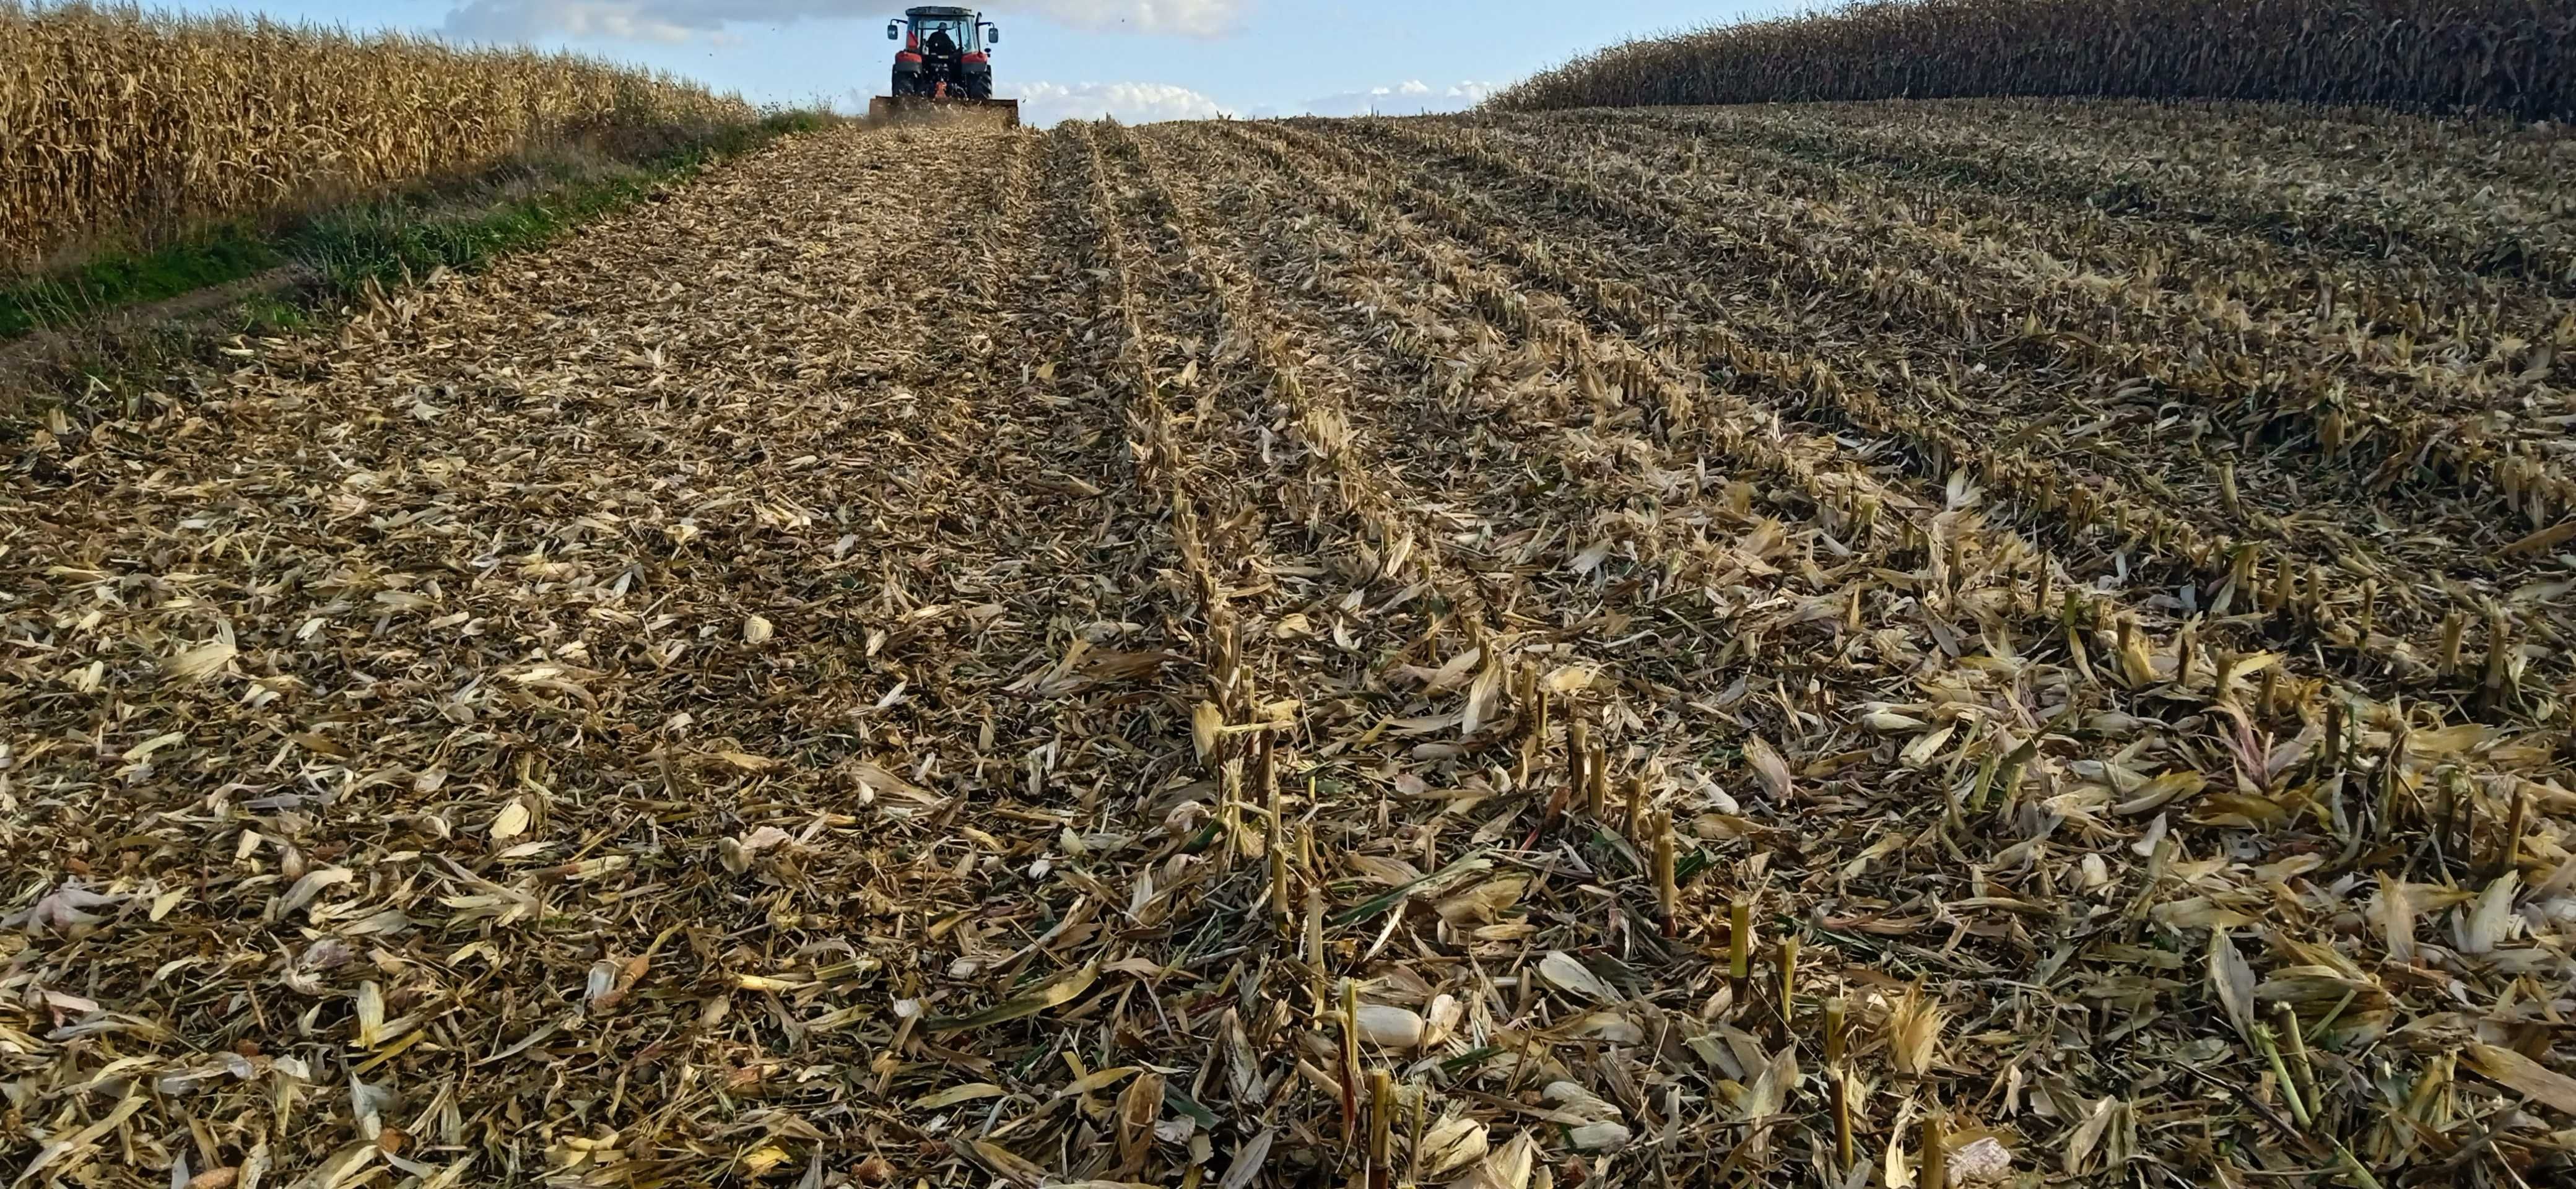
<point>2246,511</point>
<point>1442,652</point>
<point>2487,196</point>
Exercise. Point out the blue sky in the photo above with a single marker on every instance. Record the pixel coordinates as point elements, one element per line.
<point>1136,59</point>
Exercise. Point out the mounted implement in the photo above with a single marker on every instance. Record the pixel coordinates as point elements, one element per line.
<point>944,71</point>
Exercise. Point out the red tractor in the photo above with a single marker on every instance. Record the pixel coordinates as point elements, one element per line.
<point>945,67</point>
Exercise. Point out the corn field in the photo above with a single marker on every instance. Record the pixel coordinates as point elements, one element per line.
<point>119,125</point>
<point>1982,643</point>
<point>2516,57</point>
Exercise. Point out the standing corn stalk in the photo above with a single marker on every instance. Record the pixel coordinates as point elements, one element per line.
<point>116,125</point>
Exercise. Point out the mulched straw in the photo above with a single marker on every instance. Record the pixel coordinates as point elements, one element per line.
<point>1231,655</point>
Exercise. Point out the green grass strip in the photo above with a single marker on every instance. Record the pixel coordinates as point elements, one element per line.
<point>383,240</point>
<point>214,257</point>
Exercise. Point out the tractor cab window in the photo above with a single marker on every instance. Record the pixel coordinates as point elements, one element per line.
<point>960,32</point>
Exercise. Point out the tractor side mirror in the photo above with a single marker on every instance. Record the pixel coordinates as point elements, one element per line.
<point>894,30</point>
<point>993,34</point>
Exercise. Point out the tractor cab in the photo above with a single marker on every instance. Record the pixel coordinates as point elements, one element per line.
<point>947,53</point>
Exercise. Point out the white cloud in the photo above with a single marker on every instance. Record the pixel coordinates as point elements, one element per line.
<point>1412,97</point>
<point>1044,104</point>
<point>681,20</point>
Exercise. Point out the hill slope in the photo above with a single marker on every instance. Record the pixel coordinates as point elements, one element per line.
<point>1235,646</point>
<point>2512,56</point>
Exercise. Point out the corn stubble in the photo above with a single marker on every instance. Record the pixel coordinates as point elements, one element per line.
<point>128,126</point>
<point>1498,652</point>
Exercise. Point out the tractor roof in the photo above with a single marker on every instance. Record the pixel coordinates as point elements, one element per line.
<point>938,10</point>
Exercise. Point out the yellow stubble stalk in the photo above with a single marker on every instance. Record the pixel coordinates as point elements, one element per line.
<point>2334,752</point>
<point>2391,777</point>
<point>1578,758</point>
<point>1668,893</point>
<point>1787,992</point>
<point>1739,948</point>
<point>1596,783</point>
<point>1229,810</point>
<point>1533,725</point>
<point>1282,916</point>
<point>1836,1037</point>
<point>2459,810</point>
<point>2491,694</point>
<point>1381,1126</point>
<point>1265,765</point>
<point>1936,1154</point>
<point>1350,1021</point>
<point>1839,1080</point>
<point>1315,942</point>
<point>2509,848</point>
<point>2225,678</point>
<point>1282,912</point>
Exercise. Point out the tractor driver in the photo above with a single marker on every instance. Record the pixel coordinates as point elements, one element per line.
<point>941,44</point>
